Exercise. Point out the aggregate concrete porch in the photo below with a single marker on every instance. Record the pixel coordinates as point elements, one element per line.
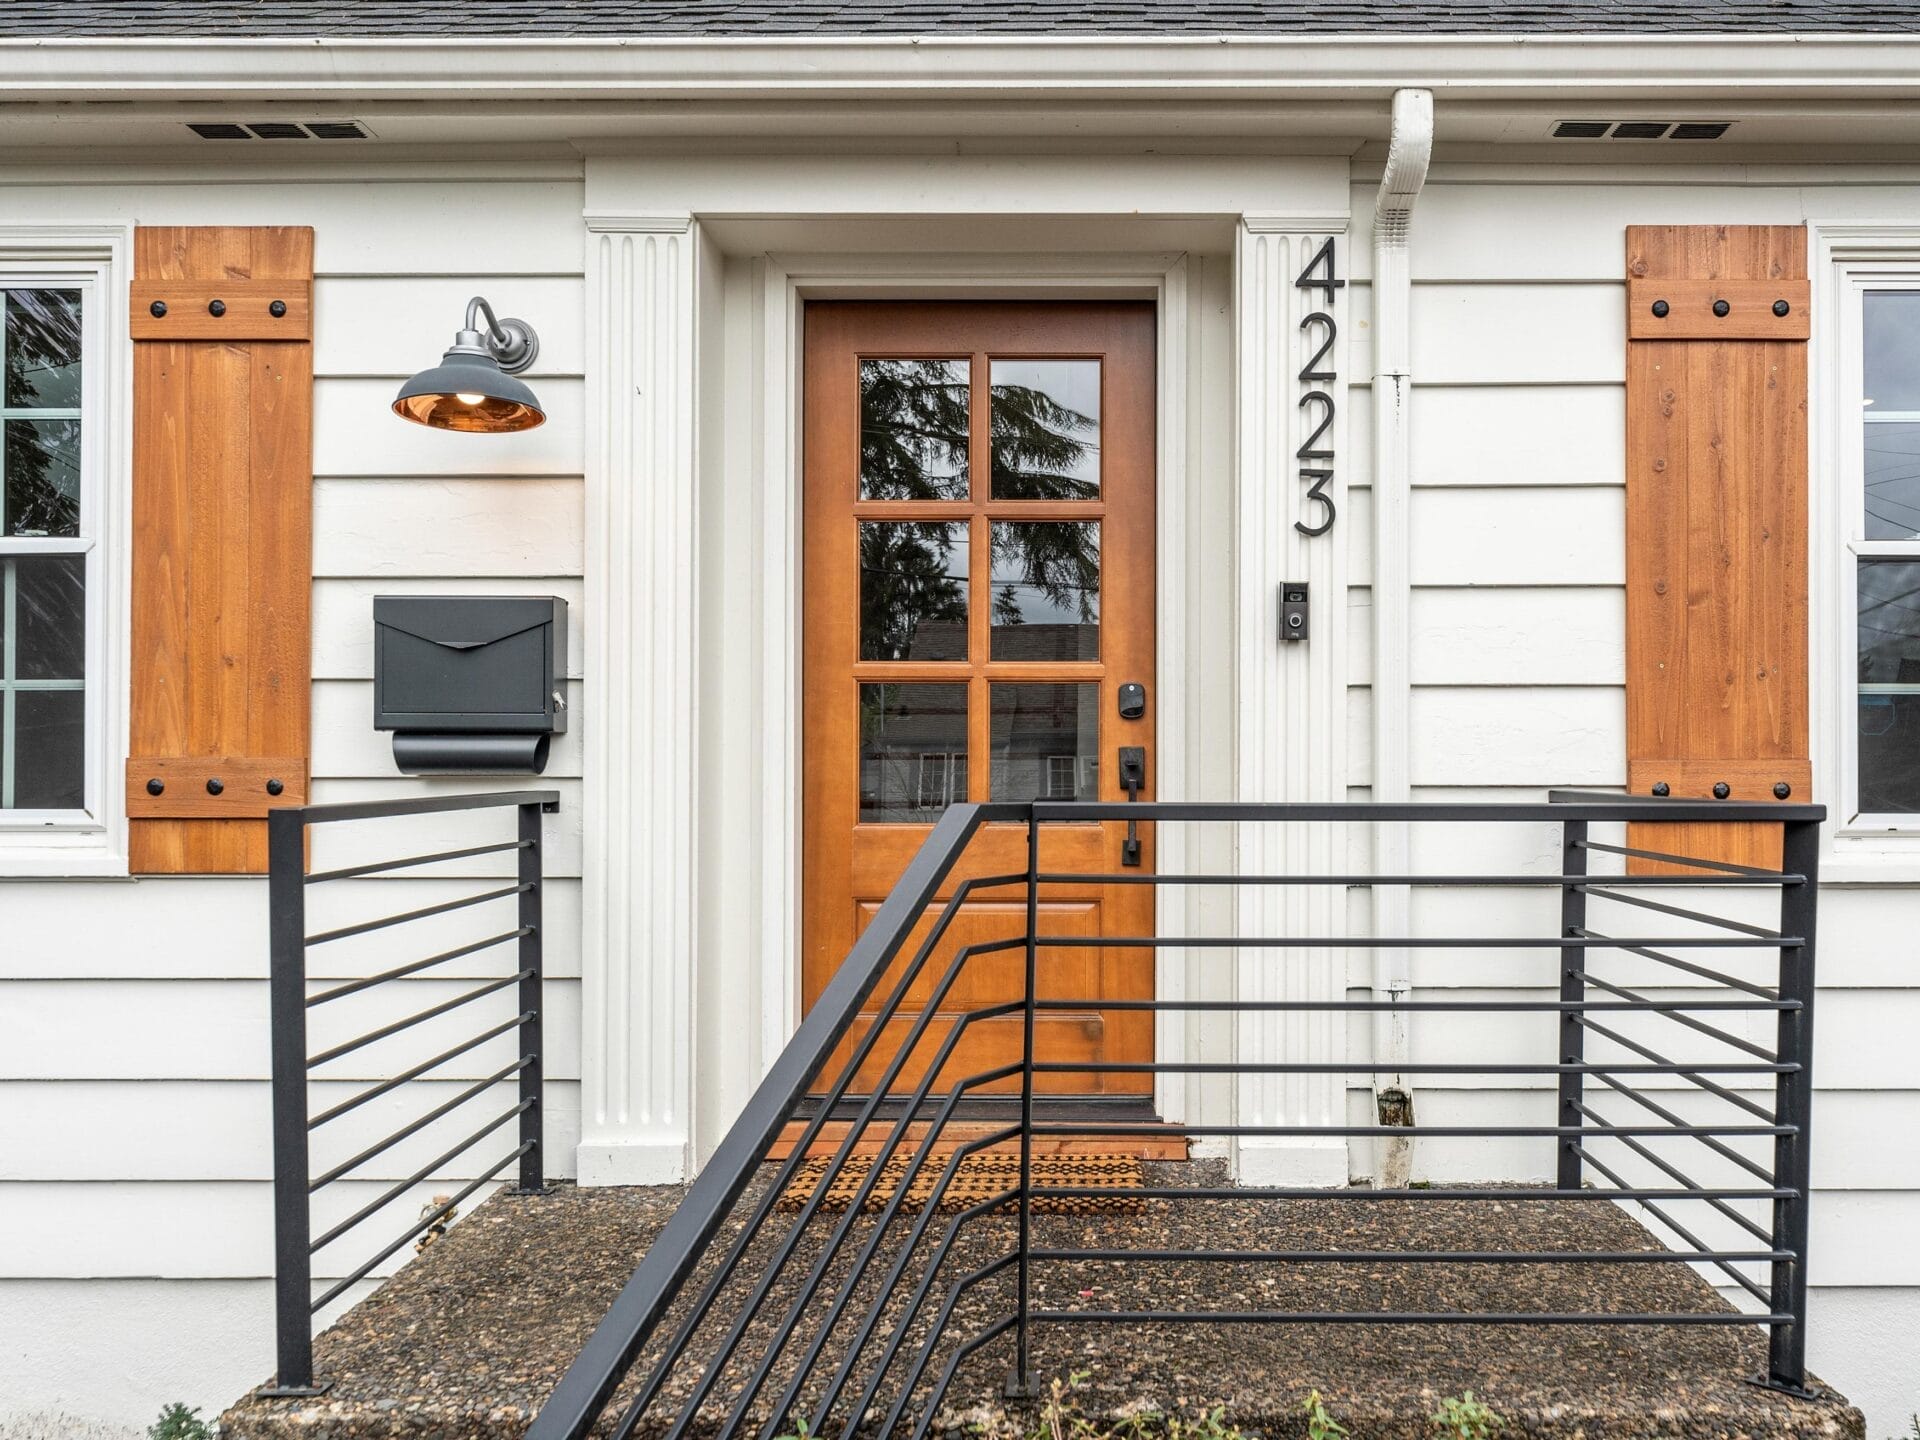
<point>466,1342</point>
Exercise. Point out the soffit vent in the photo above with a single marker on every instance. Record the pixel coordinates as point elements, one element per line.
<point>281,130</point>
<point>1641,129</point>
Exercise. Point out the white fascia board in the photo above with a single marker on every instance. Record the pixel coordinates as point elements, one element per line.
<point>1250,67</point>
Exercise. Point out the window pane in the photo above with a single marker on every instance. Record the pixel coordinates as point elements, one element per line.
<point>913,749</point>
<point>1893,481</point>
<point>1046,429</point>
<point>1892,369</point>
<point>913,590</point>
<point>1045,739</point>
<point>49,638</point>
<point>43,349</point>
<point>914,429</point>
<point>43,477</point>
<point>49,746</point>
<point>1889,628</point>
<point>1046,590</point>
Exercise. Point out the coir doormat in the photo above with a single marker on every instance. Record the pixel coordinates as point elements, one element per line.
<point>980,1177</point>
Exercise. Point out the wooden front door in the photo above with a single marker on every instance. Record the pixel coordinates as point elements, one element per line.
<point>979,585</point>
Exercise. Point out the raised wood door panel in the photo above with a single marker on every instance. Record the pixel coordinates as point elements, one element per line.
<point>1717,527</point>
<point>979,583</point>
<point>222,543</point>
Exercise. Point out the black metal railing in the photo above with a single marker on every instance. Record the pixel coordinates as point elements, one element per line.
<point>856,1316</point>
<point>295,994</point>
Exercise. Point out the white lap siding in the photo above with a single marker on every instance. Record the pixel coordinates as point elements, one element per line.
<point>1517,647</point>
<point>135,1194</point>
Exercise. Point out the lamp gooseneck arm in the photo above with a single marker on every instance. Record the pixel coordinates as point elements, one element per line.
<point>477,306</point>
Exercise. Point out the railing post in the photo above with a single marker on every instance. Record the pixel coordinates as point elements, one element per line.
<point>1793,1106</point>
<point>1573,994</point>
<point>532,1003</point>
<point>287,1003</point>
<point>1020,1383</point>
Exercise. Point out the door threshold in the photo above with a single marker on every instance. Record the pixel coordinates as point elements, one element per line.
<point>978,1118</point>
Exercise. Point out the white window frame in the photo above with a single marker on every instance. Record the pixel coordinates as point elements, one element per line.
<point>96,259</point>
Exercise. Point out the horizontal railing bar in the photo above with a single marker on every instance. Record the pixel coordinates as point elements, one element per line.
<point>1668,1011</point>
<point>415,967</point>
<point>382,867</point>
<point>1468,1192</point>
<point>1413,942</point>
<point>1724,867</point>
<point>428,1014</point>
<point>1467,1007</point>
<point>1752,1167</point>
<point>1674,1225</point>
<point>1411,1132</point>
<point>422,1173</point>
<point>1362,878</point>
<point>1415,1257</point>
<point>1600,889</point>
<point>1632,947</point>
<point>1695,1073</point>
<point>354,1102</point>
<point>1674,1173</point>
<point>1447,1067</point>
<point>366,927</point>
<point>1733,812</point>
<point>439,1212</point>
<point>479,1087</point>
<point>415,805</point>
<point>1403,1317</point>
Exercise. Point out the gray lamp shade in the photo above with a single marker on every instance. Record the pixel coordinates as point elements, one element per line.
<point>468,392</point>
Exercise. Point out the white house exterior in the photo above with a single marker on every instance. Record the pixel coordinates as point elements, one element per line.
<point>662,201</point>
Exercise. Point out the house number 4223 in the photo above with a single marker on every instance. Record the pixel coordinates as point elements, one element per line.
<point>1316,451</point>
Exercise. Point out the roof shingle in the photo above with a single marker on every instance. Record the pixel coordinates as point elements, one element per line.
<point>777,18</point>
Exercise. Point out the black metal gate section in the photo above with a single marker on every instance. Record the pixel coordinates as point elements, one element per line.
<point>294,998</point>
<point>838,1320</point>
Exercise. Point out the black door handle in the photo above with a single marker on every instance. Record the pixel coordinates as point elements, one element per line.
<point>1133,779</point>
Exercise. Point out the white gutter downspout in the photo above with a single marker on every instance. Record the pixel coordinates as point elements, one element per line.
<point>1409,151</point>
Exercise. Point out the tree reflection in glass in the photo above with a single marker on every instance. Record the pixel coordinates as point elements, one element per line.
<point>1046,429</point>
<point>42,450</point>
<point>1046,590</point>
<point>913,590</point>
<point>914,429</point>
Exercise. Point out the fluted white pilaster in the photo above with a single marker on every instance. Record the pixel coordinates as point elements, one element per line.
<point>641,489</point>
<point>1292,698</point>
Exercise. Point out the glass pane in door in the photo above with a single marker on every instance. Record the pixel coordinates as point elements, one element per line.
<point>1046,429</point>
<point>913,590</point>
<point>915,425</point>
<point>913,751</point>
<point>1046,741</point>
<point>1046,590</point>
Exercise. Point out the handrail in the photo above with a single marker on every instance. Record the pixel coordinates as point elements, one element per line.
<point>663,1275</point>
<point>294,1184</point>
<point>588,1383</point>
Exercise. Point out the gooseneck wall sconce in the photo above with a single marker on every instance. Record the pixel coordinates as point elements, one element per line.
<point>472,388</point>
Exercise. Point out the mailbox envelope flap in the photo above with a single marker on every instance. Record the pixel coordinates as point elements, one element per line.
<point>447,622</point>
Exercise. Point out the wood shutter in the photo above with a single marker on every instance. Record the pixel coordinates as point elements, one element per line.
<point>1716,526</point>
<point>222,537</point>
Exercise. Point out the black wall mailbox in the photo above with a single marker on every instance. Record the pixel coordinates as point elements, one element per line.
<point>470,683</point>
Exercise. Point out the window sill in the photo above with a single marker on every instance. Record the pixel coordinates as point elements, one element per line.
<point>84,858</point>
<point>1872,860</point>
